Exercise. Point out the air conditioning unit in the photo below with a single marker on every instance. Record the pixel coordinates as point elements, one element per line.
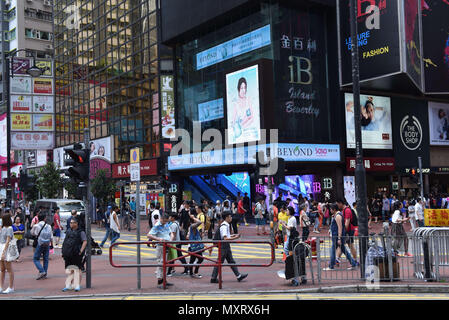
<point>29,0</point>
<point>49,46</point>
<point>47,3</point>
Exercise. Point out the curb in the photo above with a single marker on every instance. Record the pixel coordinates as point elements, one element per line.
<point>335,289</point>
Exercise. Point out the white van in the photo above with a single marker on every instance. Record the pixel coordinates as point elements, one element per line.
<point>65,208</point>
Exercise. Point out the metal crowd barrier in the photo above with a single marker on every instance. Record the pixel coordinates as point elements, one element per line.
<point>171,263</point>
<point>431,246</point>
<point>297,260</point>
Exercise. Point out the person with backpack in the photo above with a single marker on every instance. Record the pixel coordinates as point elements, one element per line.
<point>44,233</point>
<point>73,247</point>
<point>337,231</point>
<point>224,233</point>
<point>350,224</point>
<point>107,225</point>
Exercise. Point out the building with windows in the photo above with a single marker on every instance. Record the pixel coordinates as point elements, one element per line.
<point>108,63</point>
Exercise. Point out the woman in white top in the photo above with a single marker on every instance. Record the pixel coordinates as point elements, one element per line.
<point>397,230</point>
<point>411,214</point>
<point>289,226</point>
<point>6,235</point>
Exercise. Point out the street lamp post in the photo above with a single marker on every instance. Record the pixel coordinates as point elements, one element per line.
<point>34,72</point>
<point>360,178</point>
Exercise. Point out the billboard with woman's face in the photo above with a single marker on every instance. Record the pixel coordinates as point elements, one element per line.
<point>243,105</point>
<point>375,120</point>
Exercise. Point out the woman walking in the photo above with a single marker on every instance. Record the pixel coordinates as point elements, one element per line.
<point>195,235</point>
<point>397,229</point>
<point>6,235</point>
<point>19,229</point>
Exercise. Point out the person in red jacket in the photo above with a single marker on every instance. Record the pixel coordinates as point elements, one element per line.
<point>241,210</point>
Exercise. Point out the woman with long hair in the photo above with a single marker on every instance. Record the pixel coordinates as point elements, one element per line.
<point>6,235</point>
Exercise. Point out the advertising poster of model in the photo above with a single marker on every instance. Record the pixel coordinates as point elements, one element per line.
<point>102,148</point>
<point>243,105</point>
<point>375,120</point>
<point>349,187</point>
<point>439,124</point>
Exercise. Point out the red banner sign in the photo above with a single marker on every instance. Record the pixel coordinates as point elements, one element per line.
<point>372,164</point>
<point>147,168</point>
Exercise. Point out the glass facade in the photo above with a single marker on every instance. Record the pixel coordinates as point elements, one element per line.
<point>297,53</point>
<point>107,66</point>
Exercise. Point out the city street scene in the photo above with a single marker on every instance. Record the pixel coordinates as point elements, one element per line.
<point>224,150</point>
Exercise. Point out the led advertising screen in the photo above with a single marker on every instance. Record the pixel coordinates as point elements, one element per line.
<point>243,105</point>
<point>375,120</point>
<point>439,124</point>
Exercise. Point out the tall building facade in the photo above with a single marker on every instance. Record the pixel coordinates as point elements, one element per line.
<point>108,65</point>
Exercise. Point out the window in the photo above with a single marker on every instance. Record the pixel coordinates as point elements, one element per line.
<point>37,34</point>
<point>38,14</point>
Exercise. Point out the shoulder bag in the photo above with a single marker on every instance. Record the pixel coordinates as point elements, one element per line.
<point>13,252</point>
<point>35,241</point>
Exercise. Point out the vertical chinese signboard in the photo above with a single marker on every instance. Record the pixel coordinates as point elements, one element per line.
<point>168,107</point>
<point>32,108</point>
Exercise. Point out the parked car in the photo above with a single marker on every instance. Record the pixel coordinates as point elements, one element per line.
<point>65,208</point>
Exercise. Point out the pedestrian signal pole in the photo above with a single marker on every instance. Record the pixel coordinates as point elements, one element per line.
<point>135,176</point>
<point>88,210</point>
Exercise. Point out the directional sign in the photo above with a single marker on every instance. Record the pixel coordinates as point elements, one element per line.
<point>134,167</point>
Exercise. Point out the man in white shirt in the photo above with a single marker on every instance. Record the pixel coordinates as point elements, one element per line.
<point>226,253</point>
<point>419,213</point>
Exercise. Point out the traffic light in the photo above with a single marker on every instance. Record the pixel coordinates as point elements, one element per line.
<point>78,161</point>
<point>26,182</point>
<point>414,175</point>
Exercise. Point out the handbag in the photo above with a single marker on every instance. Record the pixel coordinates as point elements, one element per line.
<point>35,241</point>
<point>13,252</point>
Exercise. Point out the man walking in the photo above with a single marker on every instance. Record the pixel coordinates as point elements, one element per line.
<point>349,228</point>
<point>226,253</point>
<point>160,232</point>
<point>419,212</point>
<point>107,225</point>
<point>43,232</point>
<point>385,207</point>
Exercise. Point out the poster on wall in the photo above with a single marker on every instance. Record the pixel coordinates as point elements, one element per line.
<point>376,121</point>
<point>349,189</point>
<point>439,123</point>
<point>20,65</point>
<point>168,107</point>
<point>46,66</point>
<point>41,158</point>
<point>42,86</point>
<point>243,105</point>
<point>43,104</point>
<point>43,122</point>
<point>101,147</point>
<point>21,122</point>
<point>379,49</point>
<point>435,26</point>
<point>20,85</point>
<point>20,103</point>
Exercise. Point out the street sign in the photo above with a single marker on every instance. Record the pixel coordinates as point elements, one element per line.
<point>134,155</point>
<point>134,171</point>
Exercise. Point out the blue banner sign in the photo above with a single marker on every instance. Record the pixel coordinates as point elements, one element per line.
<point>210,110</point>
<point>245,43</point>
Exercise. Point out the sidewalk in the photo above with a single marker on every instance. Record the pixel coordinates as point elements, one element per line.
<point>109,280</point>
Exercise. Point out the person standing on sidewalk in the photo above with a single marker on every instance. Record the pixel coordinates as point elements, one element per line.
<point>385,208</point>
<point>246,206</point>
<point>160,232</point>
<point>338,239</point>
<point>289,226</point>
<point>114,225</point>
<point>6,235</point>
<point>43,232</point>
<point>304,222</point>
<point>419,212</point>
<point>411,214</point>
<point>259,215</point>
<point>226,254</point>
<point>57,227</point>
<point>73,247</point>
<point>19,231</point>
<point>195,235</point>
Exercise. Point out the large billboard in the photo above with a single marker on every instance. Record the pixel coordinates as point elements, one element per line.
<point>379,49</point>
<point>243,105</point>
<point>168,107</point>
<point>101,147</point>
<point>439,123</point>
<point>435,25</point>
<point>413,40</point>
<point>375,120</point>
